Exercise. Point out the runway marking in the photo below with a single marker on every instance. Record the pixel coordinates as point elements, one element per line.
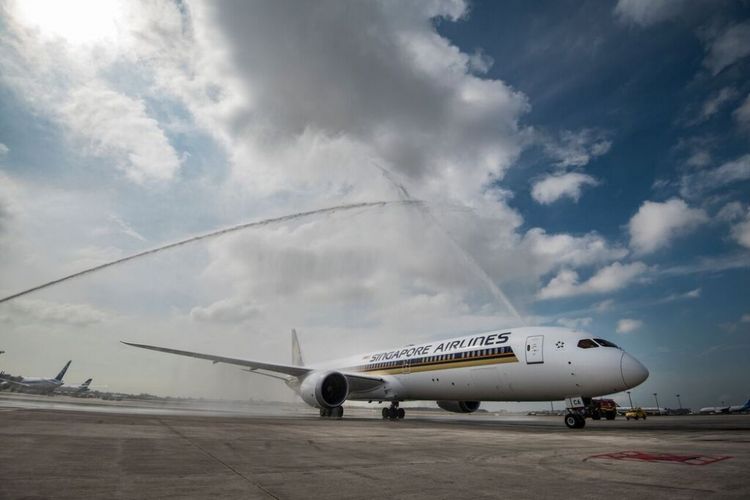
<point>214,457</point>
<point>641,456</point>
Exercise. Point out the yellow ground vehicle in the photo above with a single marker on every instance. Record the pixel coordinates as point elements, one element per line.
<point>635,413</point>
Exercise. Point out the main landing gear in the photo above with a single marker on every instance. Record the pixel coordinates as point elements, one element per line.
<point>336,412</point>
<point>393,412</point>
<point>574,420</point>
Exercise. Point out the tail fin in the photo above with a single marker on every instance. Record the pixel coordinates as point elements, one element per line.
<point>62,372</point>
<point>86,384</point>
<point>296,352</point>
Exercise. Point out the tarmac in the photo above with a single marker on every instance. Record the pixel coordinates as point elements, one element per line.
<point>59,447</point>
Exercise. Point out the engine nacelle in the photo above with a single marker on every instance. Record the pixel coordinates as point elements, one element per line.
<point>324,389</point>
<point>459,406</point>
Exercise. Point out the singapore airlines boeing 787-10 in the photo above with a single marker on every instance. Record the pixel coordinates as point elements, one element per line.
<point>517,364</point>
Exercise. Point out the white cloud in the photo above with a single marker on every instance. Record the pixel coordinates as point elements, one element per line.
<point>713,104</point>
<point>728,47</point>
<point>566,250</point>
<point>225,311</point>
<point>741,231</point>
<point>575,148</point>
<point>656,224</point>
<point>604,305</point>
<point>699,159</point>
<point>126,228</point>
<point>575,323</point>
<point>695,185</point>
<point>648,12</point>
<point>396,92</point>
<point>553,187</point>
<point>745,318</point>
<point>689,295</point>
<point>731,212</point>
<point>30,310</point>
<point>3,150</point>
<point>742,114</point>
<point>64,77</point>
<point>110,124</point>
<point>628,325</point>
<point>608,279</point>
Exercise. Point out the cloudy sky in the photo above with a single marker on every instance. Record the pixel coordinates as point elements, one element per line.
<point>587,160</point>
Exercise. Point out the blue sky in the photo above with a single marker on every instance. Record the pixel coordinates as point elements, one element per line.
<point>590,157</point>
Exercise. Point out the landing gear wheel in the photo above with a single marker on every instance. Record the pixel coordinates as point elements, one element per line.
<point>325,412</point>
<point>574,421</point>
<point>393,412</point>
<point>570,421</point>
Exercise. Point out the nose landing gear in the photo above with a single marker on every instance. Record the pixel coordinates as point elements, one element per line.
<point>393,412</point>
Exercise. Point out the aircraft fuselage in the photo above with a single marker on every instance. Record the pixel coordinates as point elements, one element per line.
<point>520,364</point>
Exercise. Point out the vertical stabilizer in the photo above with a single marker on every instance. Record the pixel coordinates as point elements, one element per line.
<point>86,384</point>
<point>296,352</point>
<point>62,372</point>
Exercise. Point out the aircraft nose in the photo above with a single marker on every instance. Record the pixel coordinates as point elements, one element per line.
<point>633,372</point>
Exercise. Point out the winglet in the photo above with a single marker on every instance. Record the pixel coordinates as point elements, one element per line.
<point>296,352</point>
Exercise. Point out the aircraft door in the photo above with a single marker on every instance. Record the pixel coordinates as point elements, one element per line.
<point>534,349</point>
<point>407,366</point>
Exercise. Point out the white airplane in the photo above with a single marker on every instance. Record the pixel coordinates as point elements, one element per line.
<point>75,390</point>
<point>519,364</point>
<point>38,385</point>
<point>713,410</point>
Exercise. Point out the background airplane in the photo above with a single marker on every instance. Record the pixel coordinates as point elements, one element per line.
<point>521,364</point>
<point>712,410</point>
<point>74,390</point>
<point>38,385</point>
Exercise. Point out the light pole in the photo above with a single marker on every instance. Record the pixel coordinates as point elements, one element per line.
<point>679,403</point>
<point>658,412</point>
<point>629,399</point>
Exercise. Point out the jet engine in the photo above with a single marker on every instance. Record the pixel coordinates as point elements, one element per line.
<point>324,389</point>
<point>459,406</point>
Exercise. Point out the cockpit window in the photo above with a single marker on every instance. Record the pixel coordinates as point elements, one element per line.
<point>586,344</point>
<point>606,343</point>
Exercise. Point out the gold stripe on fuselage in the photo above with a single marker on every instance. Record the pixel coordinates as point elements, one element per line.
<point>442,365</point>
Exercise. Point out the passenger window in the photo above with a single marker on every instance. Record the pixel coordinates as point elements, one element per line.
<point>586,344</point>
<point>606,343</point>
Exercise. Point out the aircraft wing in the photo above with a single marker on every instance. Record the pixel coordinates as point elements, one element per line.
<point>20,384</point>
<point>295,371</point>
<point>357,382</point>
